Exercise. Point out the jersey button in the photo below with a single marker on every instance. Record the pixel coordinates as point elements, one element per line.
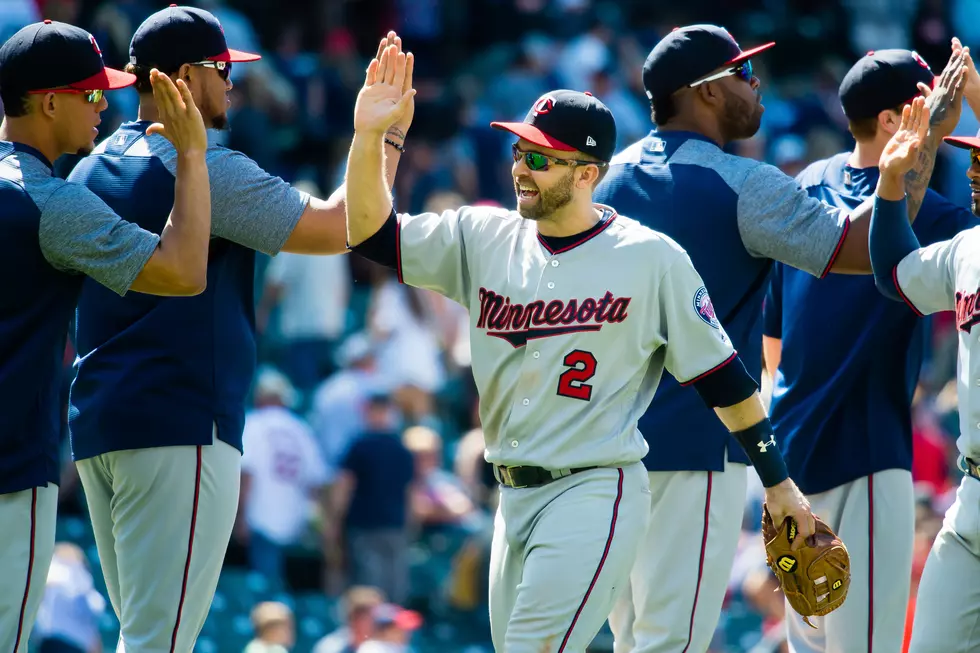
<point>554,264</point>
<point>537,354</point>
<point>551,284</point>
<point>514,443</point>
<point>526,402</point>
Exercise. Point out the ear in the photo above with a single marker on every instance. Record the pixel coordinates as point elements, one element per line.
<point>588,176</point>
<point>889,121</point>
<point>184,73</point>
<point>710,93</point>
<point>47,104</point>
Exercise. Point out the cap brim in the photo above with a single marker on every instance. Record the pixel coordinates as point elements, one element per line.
<point>965,142</point>
<point>107,80</point>
<point>748,54</point>
<point>236,56</point>
<point>408,620</point>
<point>532,134</point>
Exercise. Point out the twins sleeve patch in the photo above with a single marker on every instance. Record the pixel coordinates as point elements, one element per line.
<point>705,309</point>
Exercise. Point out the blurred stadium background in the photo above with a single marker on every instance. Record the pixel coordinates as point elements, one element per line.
<point>356,358</point>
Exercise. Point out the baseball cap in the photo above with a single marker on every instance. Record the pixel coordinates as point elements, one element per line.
<point>689,53</point>
<point>50,54</point>
<point>568,121</point>
<point>389,614</point>
<point>963,142</point>
<point>880,80</point>
<point>177,35</point>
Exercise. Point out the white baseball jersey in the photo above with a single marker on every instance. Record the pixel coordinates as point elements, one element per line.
<point>945,276</point>
<point>568,346</point>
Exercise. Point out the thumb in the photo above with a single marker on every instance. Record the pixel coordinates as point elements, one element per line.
<point>924,89</point>
<point>406,98</point>
<point>158,128</point>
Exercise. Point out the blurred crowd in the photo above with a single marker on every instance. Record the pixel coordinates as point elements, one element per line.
<point>363,469</point>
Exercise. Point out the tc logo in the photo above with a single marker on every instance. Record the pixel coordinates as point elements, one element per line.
<point>544,105</point>
<point>787,563</point>
<point>95,45</point>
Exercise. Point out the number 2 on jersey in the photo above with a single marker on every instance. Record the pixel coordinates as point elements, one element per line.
<point>572,381</point>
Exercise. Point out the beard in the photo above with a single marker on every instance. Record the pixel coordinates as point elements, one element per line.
<point>742,119</point>
<point>549,200</point>
<point>85,150</point>
<point>219,122</point>
<point>975,206</point>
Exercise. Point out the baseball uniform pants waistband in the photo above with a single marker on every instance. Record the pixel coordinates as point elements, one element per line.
<point>521,476</point>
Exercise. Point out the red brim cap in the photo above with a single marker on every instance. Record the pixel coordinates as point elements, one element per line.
<point>532,134</point>
<point>748,54</point>
<point>236,56</point>
<point>408,620</point>
<point>966,142</point>
<point>107,80</point>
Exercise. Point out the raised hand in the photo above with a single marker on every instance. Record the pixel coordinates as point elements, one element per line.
<point>180,120</point>
<point>384,100</point>
<point>902,149</point>
<point>945,100</point>
<point>400,129</point>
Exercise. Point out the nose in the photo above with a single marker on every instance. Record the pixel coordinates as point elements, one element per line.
<point>228,84</point>
<point>102,104</point>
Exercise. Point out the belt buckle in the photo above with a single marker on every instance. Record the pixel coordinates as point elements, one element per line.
<point>509,478</point>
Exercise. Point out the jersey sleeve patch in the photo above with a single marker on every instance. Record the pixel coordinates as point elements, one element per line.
<point>705,309</point>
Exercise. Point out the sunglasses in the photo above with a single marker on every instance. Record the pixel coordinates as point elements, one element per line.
<point>743,71</point>
<point>538,162</point>
<point>974,157</point>
<point>92,97</point>
<point>223,67</point>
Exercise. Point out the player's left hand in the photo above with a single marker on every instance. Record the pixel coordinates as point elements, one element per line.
<point>903,147</point>
<point>945,100</point>
<point>383,101</point>
<point>786,501</point>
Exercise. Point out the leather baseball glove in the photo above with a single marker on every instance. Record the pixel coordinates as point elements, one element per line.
<point>815,577</point>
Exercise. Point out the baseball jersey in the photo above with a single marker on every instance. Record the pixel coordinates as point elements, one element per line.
<point>733,216</point>
<point>945,276</point>
<point>850,356</point>
<point>52,233</point>
<point>162,371</point>
<point>569,339</point>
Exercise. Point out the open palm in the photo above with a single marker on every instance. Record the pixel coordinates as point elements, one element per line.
<point>902,149</point>
<point>384,98</point>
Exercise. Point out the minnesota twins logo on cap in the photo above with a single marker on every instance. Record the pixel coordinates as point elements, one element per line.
<point>544,105</point>
<point>705,309</point>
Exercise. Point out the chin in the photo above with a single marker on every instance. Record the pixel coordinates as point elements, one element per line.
<point>85,150</point>
<point>976,207</point>
<point>220,122</point>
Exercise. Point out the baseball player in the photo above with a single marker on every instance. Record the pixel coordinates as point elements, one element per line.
<point>575,311</point>
<point>943,276</point>
<point>845,362</point>
<point>53,234</point>
<point>733,216</point>
<point>157,404</point>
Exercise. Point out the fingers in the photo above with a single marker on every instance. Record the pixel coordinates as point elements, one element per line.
<point>409,71</point>
<point>399,79</point>
<point>161,95</point>
<point>185,99</point>
<point>906,121</point>
<point>381,48</point>
<point>383,62</point>
<point>371,77</point>
<point>394,60</point>
<point>924,89</point>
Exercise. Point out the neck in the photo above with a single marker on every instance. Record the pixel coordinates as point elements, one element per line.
<point>866,154</point>
<point>687,124</point>
<point>21,130</point>
<point>148,109</point>
<point>571,219</point>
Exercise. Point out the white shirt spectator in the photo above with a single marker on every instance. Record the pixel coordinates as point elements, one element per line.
<point>282,458</point>
<point>315,294</point>
<point>409,351</point>
<point>337,412</point>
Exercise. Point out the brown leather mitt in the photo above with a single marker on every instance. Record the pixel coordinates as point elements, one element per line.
<point>815,577</point>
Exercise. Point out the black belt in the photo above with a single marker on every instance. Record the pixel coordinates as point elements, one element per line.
<point>971,468</point>
<point>526,476</point>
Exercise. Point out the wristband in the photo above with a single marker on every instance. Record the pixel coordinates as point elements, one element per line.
<point>400,148</point>
<point>759,443</point>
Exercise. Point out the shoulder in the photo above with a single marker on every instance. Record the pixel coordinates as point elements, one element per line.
<point>632,154</point>
<point>818,172</point>
<point>66,197</point>
<point>649,243</point>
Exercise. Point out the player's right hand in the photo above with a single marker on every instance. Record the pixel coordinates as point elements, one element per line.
<point>902,149</point>
<point>786,500</point>
<point>180,120</point>
<point>383,100</point>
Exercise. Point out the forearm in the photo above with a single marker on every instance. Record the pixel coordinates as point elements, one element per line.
<point>891,237</point>
<point>185,239</point>
<point>368,198</point>
<point>742,415</point>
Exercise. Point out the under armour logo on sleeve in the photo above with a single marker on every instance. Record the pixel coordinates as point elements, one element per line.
<point>763,446</point>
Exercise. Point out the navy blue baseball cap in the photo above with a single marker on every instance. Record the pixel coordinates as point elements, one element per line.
<point>177,35</point>
<point>689,53</point>
<point>883,79</point>
<point>52,55</point>
<point>568,121</point>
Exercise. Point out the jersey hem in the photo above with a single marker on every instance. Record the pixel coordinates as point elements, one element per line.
<point>840,244</point>
<point>714,369</point>
<point>898,288</point>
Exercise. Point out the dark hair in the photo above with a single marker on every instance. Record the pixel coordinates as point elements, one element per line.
<point>14,102</point>
<point>662,110</point>
<point>865,129</point>
<point>142,73</point>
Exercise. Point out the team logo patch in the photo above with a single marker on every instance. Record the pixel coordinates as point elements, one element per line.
<point>544,105</point>
<point>787,563</point>
<point>705,309</point>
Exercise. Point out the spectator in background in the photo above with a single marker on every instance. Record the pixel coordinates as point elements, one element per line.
<point>282,472</point>
<point>393,628</point>
<point>337,407</point>
<point>370,499</point>
<point>359,604</point>
<point>68,619</point>
<point>438,499</point>
<point>275,630</point>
